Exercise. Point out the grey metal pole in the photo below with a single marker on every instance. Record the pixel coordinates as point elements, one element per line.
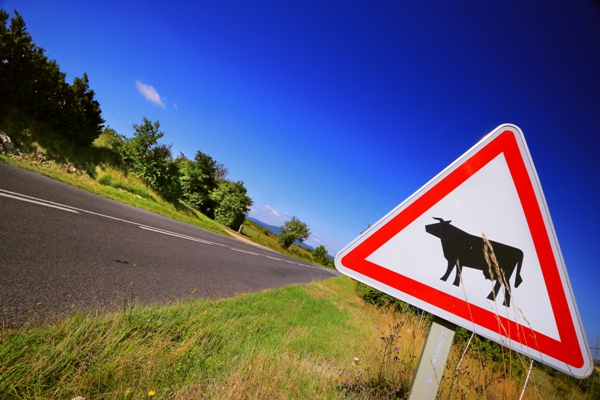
<point>426,382</point>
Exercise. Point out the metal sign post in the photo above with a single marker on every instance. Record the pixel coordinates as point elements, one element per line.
<point>427,380</point>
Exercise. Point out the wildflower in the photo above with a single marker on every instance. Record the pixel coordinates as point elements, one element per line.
<point>349,384</point>
<point>347,373</point>
<point>376,326</point>
<point>397,348</point>
<point>127,392</point>
<point>398,390</point>
<point>151,393</point>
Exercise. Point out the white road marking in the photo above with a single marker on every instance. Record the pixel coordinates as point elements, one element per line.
<point>244,251</point>
<point>75,209</point>
<point>59,206</point>
<point>29,199</point>
<point>176,235</point>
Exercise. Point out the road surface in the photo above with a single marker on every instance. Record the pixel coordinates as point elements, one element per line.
<point>64,250</point>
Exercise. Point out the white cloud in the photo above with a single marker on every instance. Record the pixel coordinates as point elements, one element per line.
<point>149,93</point>
<point>271,210</point>
<point>314,240</point>
<point>175,106</point>
<point>267,215</point>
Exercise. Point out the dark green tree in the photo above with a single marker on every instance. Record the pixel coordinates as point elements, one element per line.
<point>85,113</point>
<point>33,91</point>
<point>232,203</point>
<point>151,161</point>
<point>319,255</point>
<point>17,64</point>
<point>198,179</point>
<point>293,230</point>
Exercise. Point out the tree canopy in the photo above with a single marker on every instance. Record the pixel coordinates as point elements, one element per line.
<point>293,230</point>
<point>319,255</point>
<point>150,160</point>
<point>198,178</point>
<point>232,203</point>
<point>33,91</point>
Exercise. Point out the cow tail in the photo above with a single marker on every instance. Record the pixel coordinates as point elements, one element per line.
<point>518,279</point>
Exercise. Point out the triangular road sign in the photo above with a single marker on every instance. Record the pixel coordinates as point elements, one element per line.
<point>429,252</point>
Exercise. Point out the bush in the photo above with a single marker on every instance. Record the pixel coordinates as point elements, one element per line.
<point>491,351</point>
<point>232,203</point>
<point>382,300</point>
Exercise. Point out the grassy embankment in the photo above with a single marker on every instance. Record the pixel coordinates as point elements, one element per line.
<point>113,184</point>
<point>315,341</point>
<point>110,182</point>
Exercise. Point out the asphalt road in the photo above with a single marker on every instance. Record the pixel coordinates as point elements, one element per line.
<point>64,250</point>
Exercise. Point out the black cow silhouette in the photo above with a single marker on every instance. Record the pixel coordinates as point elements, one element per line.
<point>464,250</point>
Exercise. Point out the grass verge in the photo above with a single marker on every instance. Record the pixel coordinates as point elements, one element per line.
<point>115,185</point>
<point>315,341</point>
<point>265,238</point>
<point>293,342</point>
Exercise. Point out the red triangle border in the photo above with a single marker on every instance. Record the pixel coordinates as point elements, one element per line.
<point>567,348</point>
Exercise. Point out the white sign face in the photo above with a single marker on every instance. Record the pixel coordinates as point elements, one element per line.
<point>429,252</point>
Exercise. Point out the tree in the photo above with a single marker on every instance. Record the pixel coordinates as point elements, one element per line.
<point>151,161</point>
<point>86,114</point>
<point>293,230</point>
<point>319,255</point>
<point>34,90</point>
<point>198,179</point>
<point>232,203</point>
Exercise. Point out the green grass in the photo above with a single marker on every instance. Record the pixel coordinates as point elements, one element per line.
<point>298,342</point>
<point>284,343</point>
<point>95,170</point>
<point>113,184</point>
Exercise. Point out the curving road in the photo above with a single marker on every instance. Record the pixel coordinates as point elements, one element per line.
<point>63,250</point>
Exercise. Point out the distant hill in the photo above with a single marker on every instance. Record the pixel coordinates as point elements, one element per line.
<point>275,229</point>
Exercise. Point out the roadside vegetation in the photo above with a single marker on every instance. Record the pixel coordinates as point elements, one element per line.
<point>56,128</point>
<point>321,340</point>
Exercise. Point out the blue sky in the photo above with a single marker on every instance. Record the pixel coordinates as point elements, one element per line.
<point>335,112</point>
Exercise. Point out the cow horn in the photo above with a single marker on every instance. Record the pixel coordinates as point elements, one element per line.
<point>441,220</point>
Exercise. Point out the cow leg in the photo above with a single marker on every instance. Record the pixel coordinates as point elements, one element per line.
<point>458,274</point>
<point>447,274</point>
<point>506,294</point>
<point>506,282</point>
<point>495,290</point>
